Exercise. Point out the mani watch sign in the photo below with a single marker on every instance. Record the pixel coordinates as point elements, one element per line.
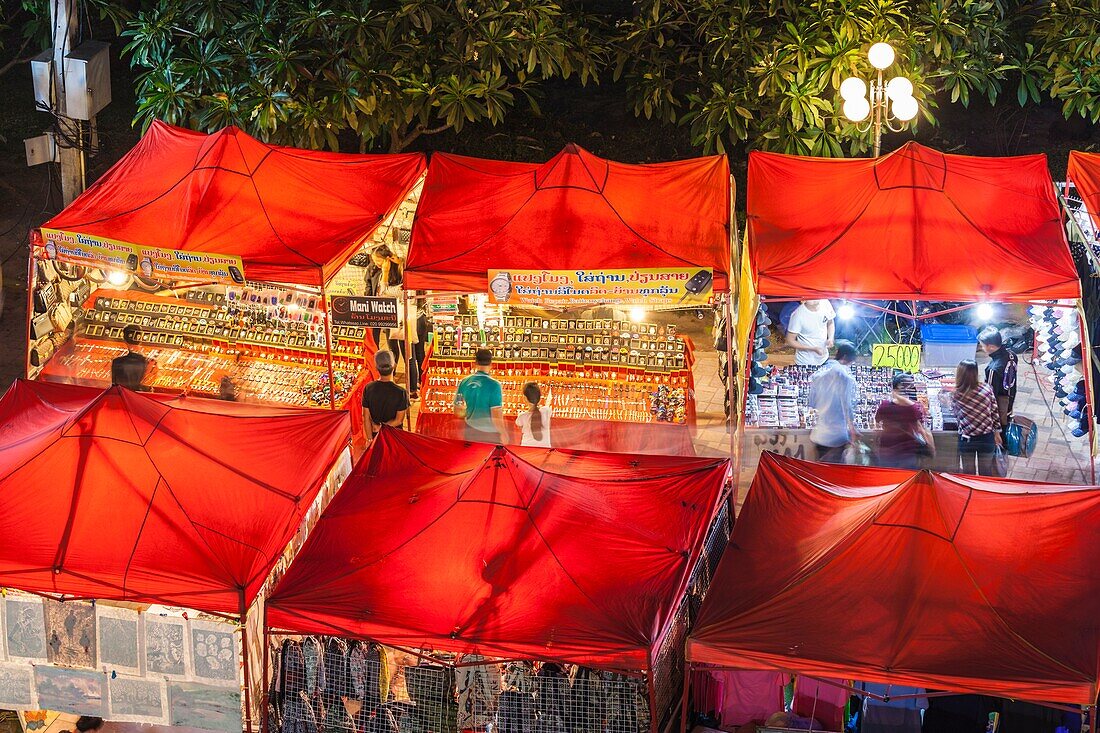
<point>356,310</point>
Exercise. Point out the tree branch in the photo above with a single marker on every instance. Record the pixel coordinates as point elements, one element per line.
<point>400,142</point>
<point>17,60</point>
<point>435,130</point>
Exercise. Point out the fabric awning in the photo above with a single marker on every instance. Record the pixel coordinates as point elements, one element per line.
<point>117,495</point>
<point>956,583</point>
<point>292,216</point>
<point>510,552</point>
<point>576,211</point>
<point>913,224</point>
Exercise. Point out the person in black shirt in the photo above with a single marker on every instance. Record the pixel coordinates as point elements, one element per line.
<point>1000,372</point>
<point>384,402</point>
<point>129,370</point>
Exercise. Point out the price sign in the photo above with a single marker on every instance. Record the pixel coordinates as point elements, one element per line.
<point>905,357</point>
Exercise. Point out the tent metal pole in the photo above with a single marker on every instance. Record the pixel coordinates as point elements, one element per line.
<point>1086,375</point>
<point>30,314</point>
<point>245,662</point>
<point>651,689</point>
<point>264,726</point>
<point>731,391</point>
<point>410,360</point>
<point>328,349</point>
<point>736,427</point>
<point>684,697</point>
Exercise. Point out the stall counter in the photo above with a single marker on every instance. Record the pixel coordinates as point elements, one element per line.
<point>607,436</point>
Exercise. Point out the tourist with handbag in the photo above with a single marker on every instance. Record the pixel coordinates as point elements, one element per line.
<point>904,439</point>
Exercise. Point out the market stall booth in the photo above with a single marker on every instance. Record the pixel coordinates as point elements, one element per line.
<point>916,237</point>
<point>113,495</point>
<point>572,264</point>
<point>910,579</point>
<point>225,251</point>
<point>468,554</point>
<point>1083,188</point>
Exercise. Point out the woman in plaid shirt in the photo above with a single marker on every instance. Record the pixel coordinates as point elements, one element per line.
<point>979,420</point>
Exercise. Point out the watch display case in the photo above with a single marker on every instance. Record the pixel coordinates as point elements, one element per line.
<point>588,368</point>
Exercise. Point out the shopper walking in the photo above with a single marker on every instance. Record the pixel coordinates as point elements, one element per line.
<point>479,400</point>
<point>1000,373</point>
<point>534,424</point>
<point>384,401</point>
<point>833,395</point>
<point>810,332</point>
<point>130,369</point>
<point>978,418</point>
<point>903,438</point>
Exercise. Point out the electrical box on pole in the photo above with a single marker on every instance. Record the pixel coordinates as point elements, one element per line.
<point>87,80</point>
<point>42,75</point>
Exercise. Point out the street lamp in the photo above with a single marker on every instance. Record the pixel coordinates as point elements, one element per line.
<point>890,101</point>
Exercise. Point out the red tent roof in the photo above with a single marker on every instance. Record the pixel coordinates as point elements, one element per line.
<point>1084,173</point>
<point>958,583</point>
<point>915,223</point>
<point>528,552</point>
<point>118,495</point>
<point>293,216</point>
<point>574,211</point>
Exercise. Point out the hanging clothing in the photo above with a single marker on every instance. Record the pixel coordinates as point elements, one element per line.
<point>551,698</point>
<point>298,711</point>
<point>368,668</point>
<point>903,715</point>
<point>478,690</point>
<point>748,696</point>
<point>337,687</point>
<point>822,700</point>
<point>588,700</point>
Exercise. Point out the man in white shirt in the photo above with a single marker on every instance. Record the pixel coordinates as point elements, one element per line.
<point>833,394</point>
<point>810,332</point>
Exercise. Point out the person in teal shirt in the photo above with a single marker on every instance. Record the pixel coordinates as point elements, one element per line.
<point>479,399</point>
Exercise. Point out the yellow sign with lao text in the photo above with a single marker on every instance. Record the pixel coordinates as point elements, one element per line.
<point>571,288</point>
<point>904,357</point>
<point>135,259</point>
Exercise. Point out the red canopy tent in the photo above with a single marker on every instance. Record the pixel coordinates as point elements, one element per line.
<point>574,211</point>
<point>1084,173</point>
<point>913,224</point>
<point>910,578</point>
<point>293,216</point>
<point>509,552</point>
<point>117,495</point>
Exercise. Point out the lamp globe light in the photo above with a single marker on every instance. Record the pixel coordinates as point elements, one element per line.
<point>899,87</point>
<point>853,88</point>
<point>904,108</point>
<point>881,55</point>
<point>856,109</point>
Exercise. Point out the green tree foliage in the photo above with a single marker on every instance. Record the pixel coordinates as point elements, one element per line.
<point>767,71</point>
<point>25,26</point>
<point>301,72</point>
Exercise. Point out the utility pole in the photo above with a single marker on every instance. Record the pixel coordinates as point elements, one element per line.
<point>63,14</point>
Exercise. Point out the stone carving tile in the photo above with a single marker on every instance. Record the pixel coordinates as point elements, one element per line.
<point>70,633</point>
<point>165,646</point>
<point>117,633</point>
<point>25,628</point>
<point>138,700</point>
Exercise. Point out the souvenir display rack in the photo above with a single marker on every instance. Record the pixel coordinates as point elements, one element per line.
<point>588,369</point>
<point>784,401</point>
<point>270,341</point>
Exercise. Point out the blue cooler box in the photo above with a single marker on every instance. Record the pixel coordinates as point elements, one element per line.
<point>946,345</point>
